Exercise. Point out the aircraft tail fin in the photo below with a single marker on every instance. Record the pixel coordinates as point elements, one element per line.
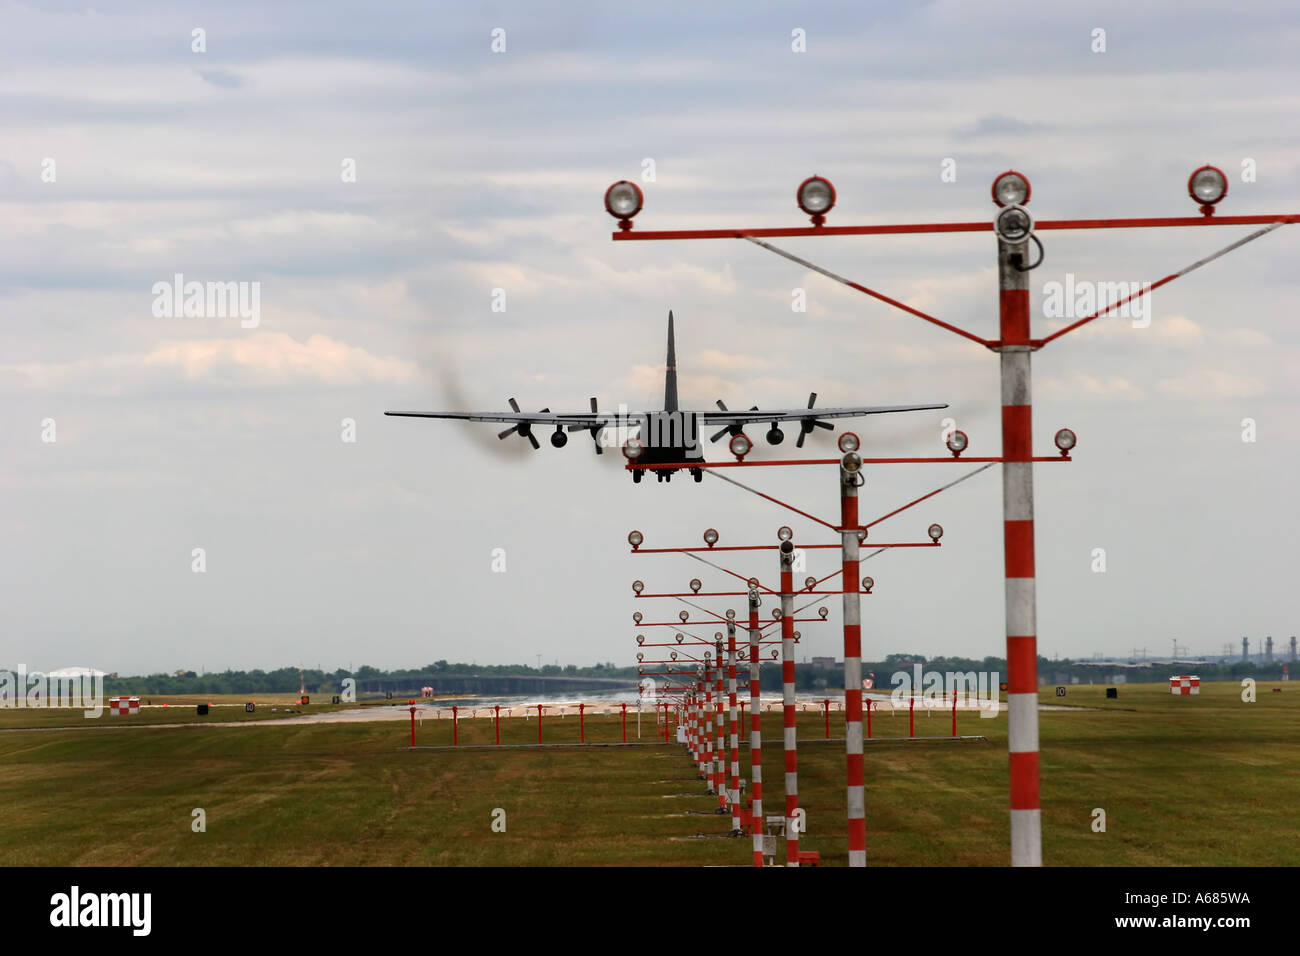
<point>670,375</point>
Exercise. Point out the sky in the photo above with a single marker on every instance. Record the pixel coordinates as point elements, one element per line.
<point>181,491</point>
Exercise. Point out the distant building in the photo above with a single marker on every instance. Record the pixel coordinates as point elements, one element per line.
<point>826,662</point>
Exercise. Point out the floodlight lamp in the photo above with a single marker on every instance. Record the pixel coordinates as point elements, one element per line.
<point>636,617</point>
<point>868,583</point>
<point>731,614</point>
<point>740,445</point>
<point>809,583</point>
<point>1014,224</point>
<point>638,586</point>
<point>1011,189</point>
<point>851,462</point>
<point>816,197</point>
<point>935,531</point>
<point>633,449</point>
<point>696,585</point>
<point>957,443</point>
<point>823,612</point>
<point>684,615</point>
<point>849,442</point>
<point>623,200</point>
<point>1066,440</point>
<point>710,537</point>
<point>640,638</point>
<point>1207,186</point>
<point>784,533</point>
<point>634,538</point>
<point>776,614</point>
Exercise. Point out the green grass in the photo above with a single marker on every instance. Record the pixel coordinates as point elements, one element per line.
<point>1207,780</point>
<point>180,708</point>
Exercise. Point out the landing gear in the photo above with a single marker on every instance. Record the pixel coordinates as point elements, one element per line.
<point>697,474</point>
<point>636,477</point>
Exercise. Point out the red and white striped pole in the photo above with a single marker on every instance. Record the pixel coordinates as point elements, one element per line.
<point>497,722</point>
<point>954,711</point>
<point>755,731</point>
<point>455,732</point>
<point>582,724</point>
<point>733,790</point>
<point>852,605</point>
<point>720,752</point>
<point>692,734</point>
<point>788,703</point>
<point>1018,539</point>
<point>539,723</point>
<point>625,722</point>
<point>705,755</point>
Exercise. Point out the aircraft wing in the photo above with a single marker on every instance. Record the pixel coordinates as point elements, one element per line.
<point>579,419</point>
<point>739,417</point>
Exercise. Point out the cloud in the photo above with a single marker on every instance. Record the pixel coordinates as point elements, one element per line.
<point>713,360</point>
<point>1211,383</point>
<point>260,360</point>
<point>1082,385</point>
<point>998,125</point>
<point>1245,339</point>
<point>1178,330</point>
<point>225,79</point>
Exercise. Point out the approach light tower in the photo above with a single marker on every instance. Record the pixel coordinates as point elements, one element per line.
<point>1014,229</point>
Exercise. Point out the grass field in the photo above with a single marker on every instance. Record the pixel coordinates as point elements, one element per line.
<point>166,709</point>
<point>1208,780</point>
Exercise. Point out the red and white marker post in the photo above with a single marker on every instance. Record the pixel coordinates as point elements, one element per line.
<point>733,790</point>
<point>786,552</point>
<point>720,736</point>
<point>755,731</point>
<point>1014,350</point>
<point>852,607</point>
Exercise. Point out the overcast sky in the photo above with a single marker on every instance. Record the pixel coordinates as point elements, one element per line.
<point>478,170</point>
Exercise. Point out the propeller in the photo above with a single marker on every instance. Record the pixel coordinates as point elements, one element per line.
<point>522,429</point>
<point>735,428</point>
<point>806,425</point>
<point>594,429</point>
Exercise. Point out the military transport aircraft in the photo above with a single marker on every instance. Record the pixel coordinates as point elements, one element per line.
<point>670,436</point>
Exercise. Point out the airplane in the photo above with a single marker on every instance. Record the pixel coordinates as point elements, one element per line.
<point>673,433</point>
